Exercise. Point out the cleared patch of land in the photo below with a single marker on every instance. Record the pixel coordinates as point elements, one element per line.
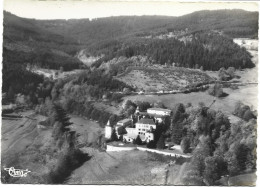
<point>168,78</point>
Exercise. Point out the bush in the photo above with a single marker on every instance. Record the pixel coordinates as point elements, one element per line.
<point>243,111</point>
<point>248,115</point>
<point>216,90</point>
<point>138,140</point>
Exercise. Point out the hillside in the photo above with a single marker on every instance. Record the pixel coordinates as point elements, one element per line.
<point>234,23</point>
<point>30,43</point>
<point>53,44</point>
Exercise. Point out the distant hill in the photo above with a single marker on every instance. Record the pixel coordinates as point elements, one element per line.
<point>57,42</point>
<point>25,41</point>
<point>234,23</point>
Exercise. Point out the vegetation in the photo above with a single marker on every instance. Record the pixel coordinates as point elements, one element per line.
<point>16,79</point>
<point>216,90</point>
<point>218,147</point>
<point>160,143</point>
<point>226,75</point>
<point>244,112</point>
<point>210,50</point>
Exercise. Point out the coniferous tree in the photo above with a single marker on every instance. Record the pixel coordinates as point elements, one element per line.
<point>160,143</point>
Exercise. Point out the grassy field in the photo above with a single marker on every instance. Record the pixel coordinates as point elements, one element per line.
<point>88,130</point>
<point>246,94</point>
<point>125,168</point>
<point>22,147</point>
<point>156,79</point>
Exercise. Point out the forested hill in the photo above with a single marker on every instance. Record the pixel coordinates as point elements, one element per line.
<point>207,50</point>
<point>24,42</point>
<point>234,23</point>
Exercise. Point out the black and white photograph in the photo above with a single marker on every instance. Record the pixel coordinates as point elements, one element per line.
<point>138,93</point>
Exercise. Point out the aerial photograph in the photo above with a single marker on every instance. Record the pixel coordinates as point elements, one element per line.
<point>129,92</point>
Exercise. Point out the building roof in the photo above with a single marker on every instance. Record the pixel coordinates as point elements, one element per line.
<point>160,109</point>
<point>124,121</point>
<point>158,116</point>
<point>146,121</point>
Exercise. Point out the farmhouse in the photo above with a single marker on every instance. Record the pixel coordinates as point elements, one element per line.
<point>159,111</point>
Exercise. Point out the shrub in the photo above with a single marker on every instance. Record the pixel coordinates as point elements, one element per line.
<point>138,140</point>
<point>216,90</point>
<point>243,111</point>
<point>248,115</point>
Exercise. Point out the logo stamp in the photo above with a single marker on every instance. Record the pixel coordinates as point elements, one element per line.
<point>17,172</point>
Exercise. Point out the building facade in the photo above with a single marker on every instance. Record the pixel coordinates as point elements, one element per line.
<point>145,125</point>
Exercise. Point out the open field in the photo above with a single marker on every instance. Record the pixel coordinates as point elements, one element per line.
<point>18,134</point>
<point>168,78</point>
<point>55,73</point>
<point>88,130</point>
<point>22,144</point>
<point>246,94</point>
<point>126,168</point>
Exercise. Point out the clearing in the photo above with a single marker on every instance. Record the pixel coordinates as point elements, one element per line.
<point>164,78</point>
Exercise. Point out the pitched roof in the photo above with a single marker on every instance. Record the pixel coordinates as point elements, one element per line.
<point>146,121</point>
<point>159,109</point>
<point>124,121</point>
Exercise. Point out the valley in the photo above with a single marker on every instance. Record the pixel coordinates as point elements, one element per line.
<point>70,88</point>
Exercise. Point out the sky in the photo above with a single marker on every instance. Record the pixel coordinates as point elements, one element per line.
<point>67,9</point>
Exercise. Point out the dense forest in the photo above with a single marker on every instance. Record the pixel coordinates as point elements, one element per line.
<point>234,23</point>
<point>209,50</point>
<point>219,147</point>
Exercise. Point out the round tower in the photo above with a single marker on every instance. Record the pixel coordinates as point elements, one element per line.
<point>108,130</point>
<point>137,110</point>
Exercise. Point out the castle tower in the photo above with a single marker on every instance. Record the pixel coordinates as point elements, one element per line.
<point>108,123</point>
<point>137,110</point>
<point>108,130</point>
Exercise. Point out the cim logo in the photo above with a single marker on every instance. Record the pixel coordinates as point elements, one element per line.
<point>17,172</point>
